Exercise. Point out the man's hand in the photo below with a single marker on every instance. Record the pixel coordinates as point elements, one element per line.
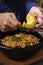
<point>8,22</point>
<point>36,11</point>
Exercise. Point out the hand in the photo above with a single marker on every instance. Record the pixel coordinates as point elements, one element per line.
<point>36,11</point>
<point>8,22</point>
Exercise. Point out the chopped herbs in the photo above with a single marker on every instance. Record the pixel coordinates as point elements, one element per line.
<point>15,38</point>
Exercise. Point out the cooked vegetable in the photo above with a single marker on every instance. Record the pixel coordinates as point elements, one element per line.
<point>20,40</point>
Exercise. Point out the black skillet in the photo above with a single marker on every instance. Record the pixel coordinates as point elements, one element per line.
<point>21,53</point>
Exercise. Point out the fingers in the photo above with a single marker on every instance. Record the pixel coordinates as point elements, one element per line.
<point>13,16</point>
<point>39,22</point>
<point>36,11</point>
<point>11,26</point>
<point>5,28</point>
<point>41,9</point>
<point>17,23</point>
<point>9,22</point>
<point>13,23</point>
<point>39,14</point>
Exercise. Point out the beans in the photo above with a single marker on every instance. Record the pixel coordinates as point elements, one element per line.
<point>26,40</point>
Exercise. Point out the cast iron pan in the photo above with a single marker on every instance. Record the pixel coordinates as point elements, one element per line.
<point>21,53</point>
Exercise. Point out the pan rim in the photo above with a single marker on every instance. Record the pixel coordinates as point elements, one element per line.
<point>26,48</point>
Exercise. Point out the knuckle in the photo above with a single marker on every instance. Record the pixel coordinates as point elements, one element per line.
<point>5,23</point>
<point>8,16</point>
<point>16,25</point>
<point>12,13</point>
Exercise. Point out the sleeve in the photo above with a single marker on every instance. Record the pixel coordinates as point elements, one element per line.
<point>30,4</point>
<point>4,7</point>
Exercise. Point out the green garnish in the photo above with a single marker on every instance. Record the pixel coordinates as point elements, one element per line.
<point>15,38</point>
